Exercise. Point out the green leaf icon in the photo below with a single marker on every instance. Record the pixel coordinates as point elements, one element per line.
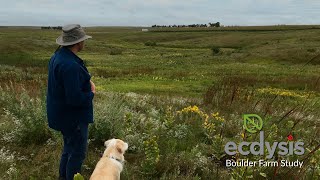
<point>252,122</point>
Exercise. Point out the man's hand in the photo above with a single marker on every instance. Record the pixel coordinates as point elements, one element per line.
<point>93,87</point>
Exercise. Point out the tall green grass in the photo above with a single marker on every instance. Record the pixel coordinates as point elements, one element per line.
<point>156,98</point>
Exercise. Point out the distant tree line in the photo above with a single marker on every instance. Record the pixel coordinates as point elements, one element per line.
<point>217,24</point>
<point>52,27</point>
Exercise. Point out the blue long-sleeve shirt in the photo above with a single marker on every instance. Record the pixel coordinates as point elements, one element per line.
<point>69,96</point>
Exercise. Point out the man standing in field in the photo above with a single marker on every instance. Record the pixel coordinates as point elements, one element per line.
<point>69,99</point>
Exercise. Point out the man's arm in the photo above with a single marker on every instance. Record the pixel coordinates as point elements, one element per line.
<point>74,95</point>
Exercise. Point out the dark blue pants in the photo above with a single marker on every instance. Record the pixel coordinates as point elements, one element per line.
<point>74,151</point>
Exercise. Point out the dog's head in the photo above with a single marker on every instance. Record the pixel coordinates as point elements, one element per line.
<point>118,144</point>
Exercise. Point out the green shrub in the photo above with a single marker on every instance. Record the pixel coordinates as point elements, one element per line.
<point>152,155</point>
<point>115,51</point>
<point>150,43</point>
<point>78,176</point>
<point>215,50</point>
<point>28,116</point>
<point>311,50</point>
<point>8,164</point>
<point>108,120</point>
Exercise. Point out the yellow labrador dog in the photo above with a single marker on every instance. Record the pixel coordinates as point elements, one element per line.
<point>110,165</point>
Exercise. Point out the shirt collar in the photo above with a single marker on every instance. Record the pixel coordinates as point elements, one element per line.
<point>69,52</point>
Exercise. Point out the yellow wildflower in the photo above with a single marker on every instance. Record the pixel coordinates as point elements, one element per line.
<point>284,92</point>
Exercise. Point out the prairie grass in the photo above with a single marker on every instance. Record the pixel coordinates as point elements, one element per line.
<point>173,101</point>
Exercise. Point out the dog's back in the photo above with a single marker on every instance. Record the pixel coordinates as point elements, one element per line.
<point>110,165</point>
<point>106,169</point>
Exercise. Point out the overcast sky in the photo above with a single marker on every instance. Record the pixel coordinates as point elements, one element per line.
<point>163,12</point>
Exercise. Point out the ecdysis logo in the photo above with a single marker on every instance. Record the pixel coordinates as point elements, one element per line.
<point>253,124</point>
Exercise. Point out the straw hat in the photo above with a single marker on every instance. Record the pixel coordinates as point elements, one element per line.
<point>71,34</point>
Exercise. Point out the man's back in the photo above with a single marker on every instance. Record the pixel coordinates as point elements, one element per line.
<point>69,96</point>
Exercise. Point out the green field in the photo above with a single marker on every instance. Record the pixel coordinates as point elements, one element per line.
<point>145,78</point>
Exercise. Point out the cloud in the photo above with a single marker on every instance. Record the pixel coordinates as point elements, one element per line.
<point>143,12</point>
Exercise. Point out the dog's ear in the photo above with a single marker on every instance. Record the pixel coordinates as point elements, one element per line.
<point>122,147</point>
<point>107,143</point>
<point>119,150</point>
<point>126,146</point>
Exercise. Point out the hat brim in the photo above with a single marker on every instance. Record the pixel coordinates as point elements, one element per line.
<point>59,40</point>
